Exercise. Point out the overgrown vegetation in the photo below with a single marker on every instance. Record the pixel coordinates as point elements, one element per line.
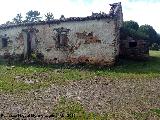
<point>19,77</point>
<point>146,32</point>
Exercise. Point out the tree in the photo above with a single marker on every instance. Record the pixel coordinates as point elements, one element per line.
<point>145,32</point>
<point>129,28</point>
<point>33,16</point>
<point>131,25</point>
<point>49,17</point>
<point>155,46</point>
<point>62,17</point>
<point>158,39</point>
<point>132,29</point>
<point>150,32</point>
<point>18,19</point>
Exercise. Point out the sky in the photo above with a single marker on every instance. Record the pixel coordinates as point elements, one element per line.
<point>141,11</point>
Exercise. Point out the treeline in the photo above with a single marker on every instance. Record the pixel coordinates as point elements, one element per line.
<point>146,32</point>
<point>32,16</point>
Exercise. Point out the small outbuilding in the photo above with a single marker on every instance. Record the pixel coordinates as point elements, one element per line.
<point>136,49</point>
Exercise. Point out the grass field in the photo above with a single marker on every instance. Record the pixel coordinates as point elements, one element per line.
<point>25,77</point>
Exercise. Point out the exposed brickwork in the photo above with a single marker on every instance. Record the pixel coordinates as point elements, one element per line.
<point>134,49</point>
<point>89,38</point>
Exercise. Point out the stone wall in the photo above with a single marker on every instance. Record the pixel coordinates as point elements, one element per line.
<point>94,39</point>
<point>134,49</point>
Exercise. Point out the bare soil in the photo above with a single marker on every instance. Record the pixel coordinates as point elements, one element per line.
<point>99,95</point>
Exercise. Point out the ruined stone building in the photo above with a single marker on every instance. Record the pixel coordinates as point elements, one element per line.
<point>136,49</point>
<point>93,39</point>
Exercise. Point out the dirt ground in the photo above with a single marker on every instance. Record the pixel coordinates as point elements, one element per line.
<point>99,95</point>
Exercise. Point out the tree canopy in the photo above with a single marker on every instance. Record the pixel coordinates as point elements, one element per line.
<point>150,32</point>
<point>18,19</point>
<point>33,16</point>
<point>62,17</point>
<point>131,25</point>
<point>49,16</point>
<point>146,32</point>
<point>130,28</point>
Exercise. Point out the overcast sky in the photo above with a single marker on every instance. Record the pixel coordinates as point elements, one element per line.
<point>142,11</point>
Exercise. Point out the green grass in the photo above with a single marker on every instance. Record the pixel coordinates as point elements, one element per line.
<point>135,69</point>
<point>61,74</point>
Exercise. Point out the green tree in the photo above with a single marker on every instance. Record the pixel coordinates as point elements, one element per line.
<point>158,39</point>
<point>131,25</point>
<point>146,32</point>
<point>150,32</point>
<point>132,29</point>
<point>62,17</point>
<point>129,28</point>
<point>18,19</point>
<point>49,17</point>
<point>155,46</point>
<point>33,16</point>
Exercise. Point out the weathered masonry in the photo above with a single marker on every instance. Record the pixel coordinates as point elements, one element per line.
<point>93,39</point>
<point>136,49</point>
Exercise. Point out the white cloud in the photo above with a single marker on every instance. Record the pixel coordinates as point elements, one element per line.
<point>58,7</point>
<point>143,12</point>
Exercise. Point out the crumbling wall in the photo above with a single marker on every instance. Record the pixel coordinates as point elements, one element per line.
<point>134,49</point>
<point>15,41</point>
<point>93,39</point>
<point>80,42</point>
